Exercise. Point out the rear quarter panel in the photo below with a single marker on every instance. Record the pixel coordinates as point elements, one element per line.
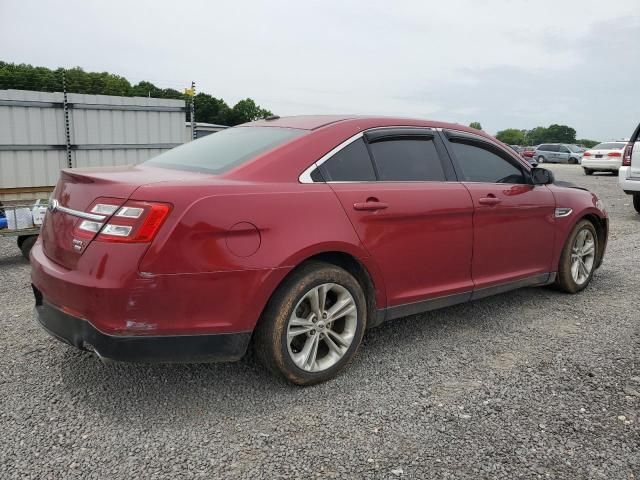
<point>220,227</point>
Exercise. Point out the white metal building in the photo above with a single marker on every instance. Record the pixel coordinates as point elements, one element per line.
<point>202,130</point>
<point>103,130</point>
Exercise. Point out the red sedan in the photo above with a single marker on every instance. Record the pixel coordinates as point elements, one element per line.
<point>295,235</point>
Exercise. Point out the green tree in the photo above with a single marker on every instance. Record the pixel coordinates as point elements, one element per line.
<point>246,111</point>
<point>586,142</point>
<point>560,134</point>
<point>511,136</point>
<point>537,136</point>
<point>215,110</point>
<point>476,125</point>
<point>208,108</point>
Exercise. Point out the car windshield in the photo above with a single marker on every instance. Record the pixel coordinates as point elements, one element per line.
<point>609,146</point>
<point>221,151</point>
<point>574,148</point>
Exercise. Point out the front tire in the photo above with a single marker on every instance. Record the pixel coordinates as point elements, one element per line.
<point>541,159</point>
<point>578,259</point>
<point>313,324</point>
<point>636,202</point>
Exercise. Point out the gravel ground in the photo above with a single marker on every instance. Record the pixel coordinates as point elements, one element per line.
<point>529,384</point>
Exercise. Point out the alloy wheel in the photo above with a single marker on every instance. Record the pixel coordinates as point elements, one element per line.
<point>322,327</point>
<point>583,254</point>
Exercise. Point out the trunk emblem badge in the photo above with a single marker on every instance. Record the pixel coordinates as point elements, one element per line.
<point>77,244</point>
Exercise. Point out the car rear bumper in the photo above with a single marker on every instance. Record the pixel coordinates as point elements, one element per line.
<point>598,164</point>
<point>224,347</point>
<point>629,184</point>
<point>119,301</point>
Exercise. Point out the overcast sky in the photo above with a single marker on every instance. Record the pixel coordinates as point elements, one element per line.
<point>504,63</point>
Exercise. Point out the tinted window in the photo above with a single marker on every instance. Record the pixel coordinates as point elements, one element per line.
<point>609,146</point>
<point>481,165</point>
<point>548,148</point>
<point>564,149</point>
<point>351,164</point>
<point>407,160</point>
<point>226,149</point>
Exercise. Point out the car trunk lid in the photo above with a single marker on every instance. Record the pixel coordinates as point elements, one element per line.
<point>78,191</point>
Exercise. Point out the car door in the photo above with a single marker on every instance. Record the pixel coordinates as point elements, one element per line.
<point>416,225</point>
<point>563,154</point>
<point>513,222</point>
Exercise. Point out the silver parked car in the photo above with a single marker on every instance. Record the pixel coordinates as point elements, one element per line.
<point>558,153</point>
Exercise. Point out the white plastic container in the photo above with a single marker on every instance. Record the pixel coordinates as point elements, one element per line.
<point>38,213</point>
<point>19,218</point>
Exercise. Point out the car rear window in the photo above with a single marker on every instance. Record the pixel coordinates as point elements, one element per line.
<point>222,151</point>
<point>609,146</point>
<point>351,164</point>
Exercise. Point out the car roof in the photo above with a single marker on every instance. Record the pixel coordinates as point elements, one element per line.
<point>315,122</point>
<point>304,122</point>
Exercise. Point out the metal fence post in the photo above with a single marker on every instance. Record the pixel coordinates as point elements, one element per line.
<point>67,129</point>
<point>193,110</point>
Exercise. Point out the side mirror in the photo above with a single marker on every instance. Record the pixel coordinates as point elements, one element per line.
<point>541,176</point>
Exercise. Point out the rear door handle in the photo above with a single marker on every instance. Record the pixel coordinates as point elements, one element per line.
<point>370,205</point>
<point>490,200</point>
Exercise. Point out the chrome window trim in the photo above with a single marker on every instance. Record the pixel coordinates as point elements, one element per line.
<point>305,177</point>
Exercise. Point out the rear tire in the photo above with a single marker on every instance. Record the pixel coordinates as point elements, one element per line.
<point>636,202</point>
<point>588,171</point>
<point>578,259</point>
<point>291,322</point>
<point>27,244</point>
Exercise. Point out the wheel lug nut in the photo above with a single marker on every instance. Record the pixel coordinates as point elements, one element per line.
<point>313,332</point>
<point>324,315</point>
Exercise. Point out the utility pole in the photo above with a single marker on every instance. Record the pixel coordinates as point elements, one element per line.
<point>193,110</point>
<point>67,129</point>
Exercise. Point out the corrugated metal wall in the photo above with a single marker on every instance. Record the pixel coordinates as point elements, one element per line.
<point>104,131</point>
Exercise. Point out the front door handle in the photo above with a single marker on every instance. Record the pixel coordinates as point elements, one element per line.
<point>489,200</point>
<point>371,205</point>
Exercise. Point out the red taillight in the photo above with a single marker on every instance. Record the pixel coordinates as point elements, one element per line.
<point>614,154</point>
<point>134,222</point>
<point>626,158</point>
<point>586,154</point>
<point>102,208</point>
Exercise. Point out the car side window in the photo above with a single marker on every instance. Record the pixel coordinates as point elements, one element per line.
<point>553,148</point>
<point>351,164</point>
<point>407,159</point>
<point>564,149</point>
<point>479,164</point>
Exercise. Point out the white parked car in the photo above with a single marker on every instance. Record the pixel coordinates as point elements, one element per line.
<point>629,176</point>
<point>604,157</point>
